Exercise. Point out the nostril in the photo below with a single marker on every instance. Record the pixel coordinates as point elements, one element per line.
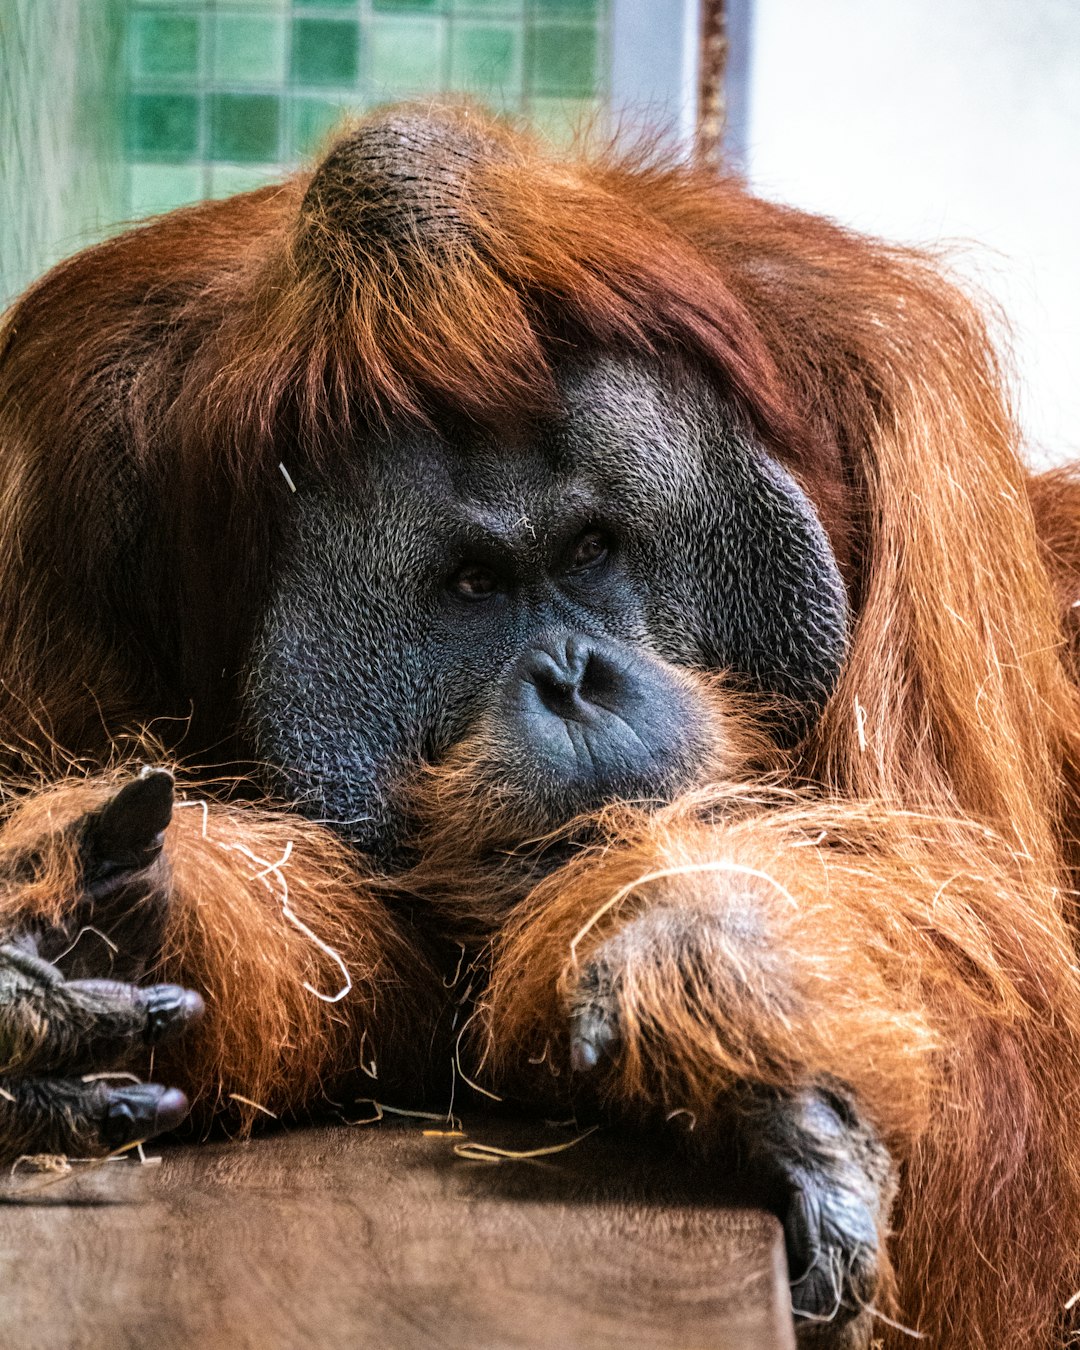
<point>556,682</point>
<point>571,677</point>
<point>599,679</point>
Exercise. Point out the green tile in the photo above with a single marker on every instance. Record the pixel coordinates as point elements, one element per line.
<point>412,6</point>
<point>312,119</point>
<point>567,9</point>
<point>227,179</point>
<point>324,4</point>
<point>407,55</point>
<point>165,45</point>
<point>160,187</point>
<point>325,51</point>
<point>485,55</point>
<point>163,126</point>
<point>249,49</point>
<point>244,127</point>
<point>562,59</point>
<point>510,9</point>
<point>563,120</point>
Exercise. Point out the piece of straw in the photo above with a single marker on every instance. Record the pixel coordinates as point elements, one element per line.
<point>476,1152</point>
<point>381,1108</point>
<point>236,1097</point>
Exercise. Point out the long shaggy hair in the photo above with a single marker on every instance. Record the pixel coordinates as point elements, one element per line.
<point>913,876</point>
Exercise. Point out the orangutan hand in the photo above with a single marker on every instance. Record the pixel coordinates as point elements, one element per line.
<point>58,1035</point>
<point>808,1153</point>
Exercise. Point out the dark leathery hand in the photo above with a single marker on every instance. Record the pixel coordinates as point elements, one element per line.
<point>63,1032</point>
<point>807,1153</point>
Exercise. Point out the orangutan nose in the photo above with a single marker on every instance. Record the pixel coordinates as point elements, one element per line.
<point>573,678</point>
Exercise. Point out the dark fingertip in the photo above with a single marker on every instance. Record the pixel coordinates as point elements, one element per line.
<point>594,1037</point>
<point>172,1107</point>
<point>139,1111</point>
<point>136,816</point>
<point>169,1009</point>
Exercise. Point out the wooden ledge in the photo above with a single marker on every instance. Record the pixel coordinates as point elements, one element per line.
<point>381,1236</point>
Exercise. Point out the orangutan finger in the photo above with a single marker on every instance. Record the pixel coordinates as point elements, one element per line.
<point>69,1116</point>
<point>594,1038</point>
<point>48,1025</point>
<point>594,1020</point>
<point>128,833</point>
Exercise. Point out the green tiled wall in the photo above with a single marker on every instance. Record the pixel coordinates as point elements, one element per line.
<point>224,94</point>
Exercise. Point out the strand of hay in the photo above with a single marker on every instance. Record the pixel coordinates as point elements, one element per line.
<point>274,869</point>
<point>381,1110</point>
<point>236,1097</point>
<point>475,1152</point>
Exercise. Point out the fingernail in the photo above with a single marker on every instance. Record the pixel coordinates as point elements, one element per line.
<point>584,1055</point>
<point>169,1008</point>
<point>140,1110</point>
<point>172,1107</point>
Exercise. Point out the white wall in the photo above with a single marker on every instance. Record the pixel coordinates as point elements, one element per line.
<point>937,121</point>
<point>654,70</point>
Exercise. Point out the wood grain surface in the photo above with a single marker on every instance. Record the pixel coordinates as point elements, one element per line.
<point>382,1236</point>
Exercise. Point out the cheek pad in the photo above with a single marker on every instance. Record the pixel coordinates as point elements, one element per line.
<point>336,688</point>
<point>765,599</point>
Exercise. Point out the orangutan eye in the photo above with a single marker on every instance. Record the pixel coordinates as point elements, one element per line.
<point>474,582</point>
<point>590,550</point>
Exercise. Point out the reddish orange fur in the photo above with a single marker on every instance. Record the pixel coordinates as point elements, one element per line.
<point>1055,502</point>
<point>898,974</point>
<point>477,843</point>
<point>919,883</point>
<point>266,1037</point>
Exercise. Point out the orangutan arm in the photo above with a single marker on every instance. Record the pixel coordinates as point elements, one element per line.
<point>260,917</point>
<point>815,994</point>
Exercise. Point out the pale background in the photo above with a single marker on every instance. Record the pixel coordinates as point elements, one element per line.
<point>936,121</point>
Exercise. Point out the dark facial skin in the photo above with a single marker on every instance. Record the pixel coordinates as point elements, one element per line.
<point>548,589</point>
